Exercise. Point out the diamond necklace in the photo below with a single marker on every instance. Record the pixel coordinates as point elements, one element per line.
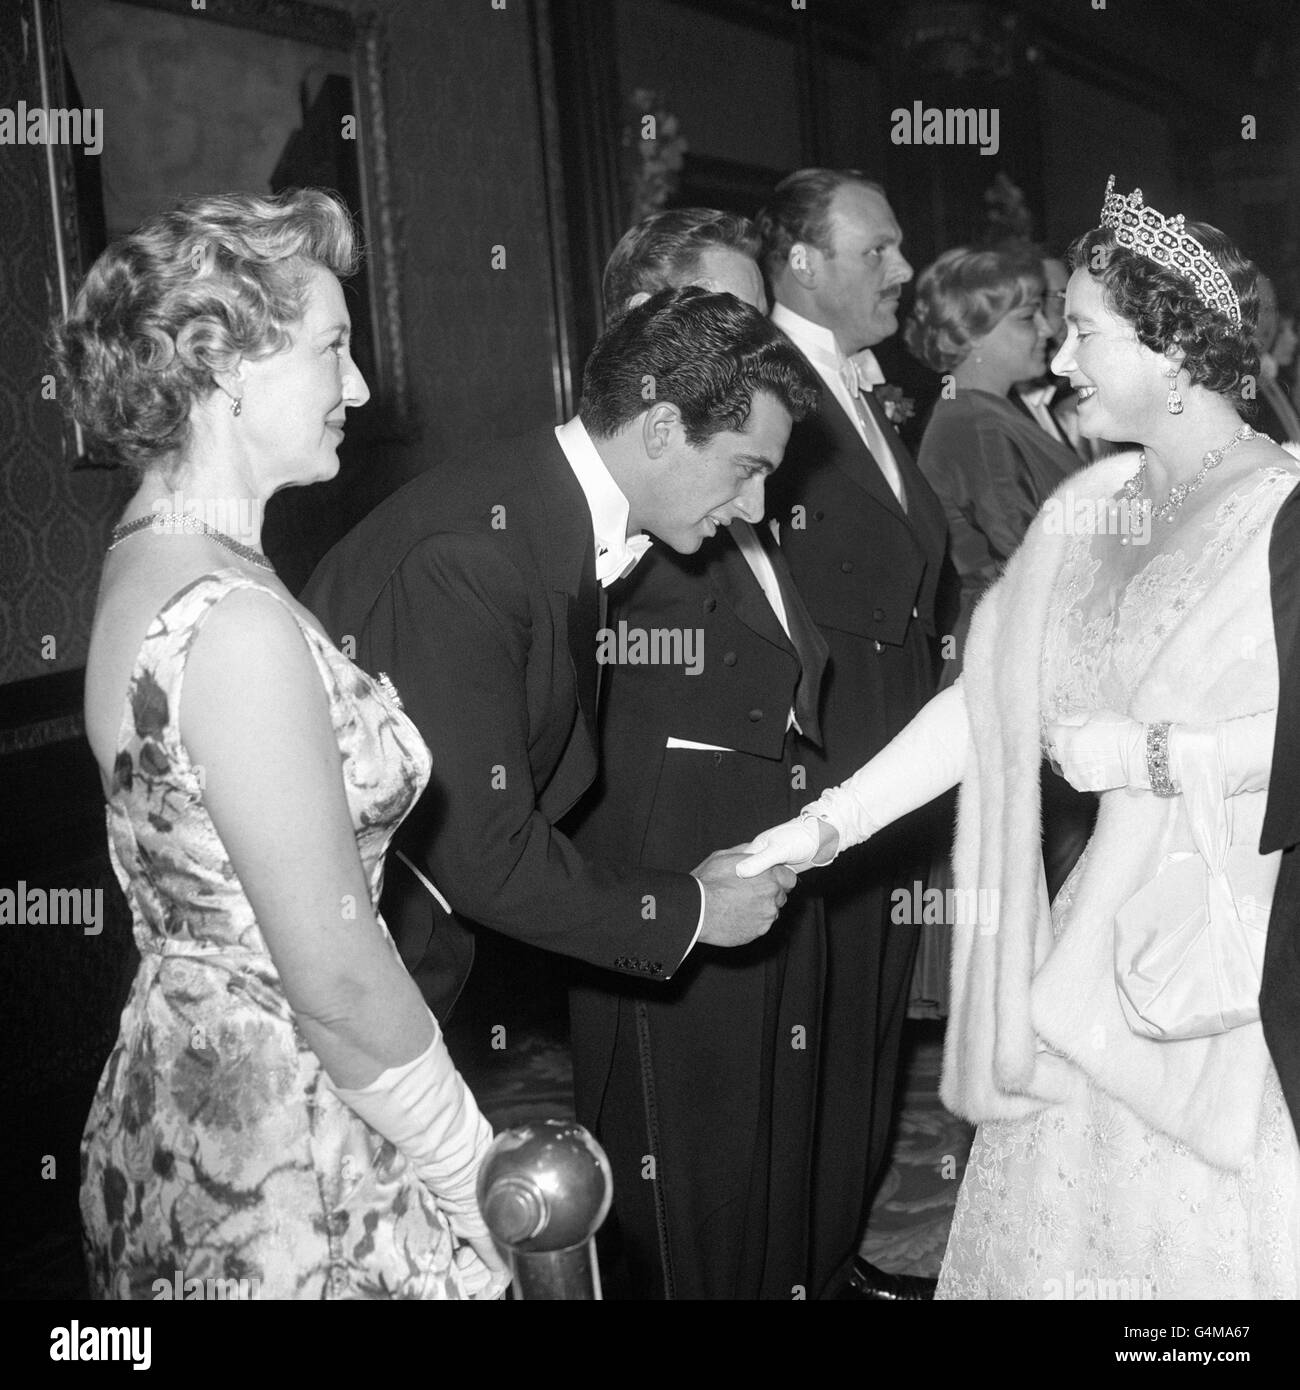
<point>1180,492</point>
<point>185,522</point>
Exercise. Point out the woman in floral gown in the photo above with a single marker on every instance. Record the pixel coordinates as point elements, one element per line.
<point>1133,1142</point>
<point>279,1117</point>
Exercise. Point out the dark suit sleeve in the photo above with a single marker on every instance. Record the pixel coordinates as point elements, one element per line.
<point>453,629</point>
<point>1279,995</point>
<point>1281,829</point>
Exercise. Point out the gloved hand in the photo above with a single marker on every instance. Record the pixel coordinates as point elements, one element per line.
<point>483,1268</point>
<point>799,844</point>
<point>1099,751</point>
<point>426,1110</point>
<point>1242,750</point>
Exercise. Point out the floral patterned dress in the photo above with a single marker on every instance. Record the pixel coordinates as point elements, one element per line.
<point>1084,1200</point>
<point>216,1149</point>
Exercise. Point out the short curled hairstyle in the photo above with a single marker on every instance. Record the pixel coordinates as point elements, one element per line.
<point>964,295</point>
<point>705,353</point>
<point>1164,310</point>
<point>664,249</point>
<point>215,279</point>
<point>799,210</point>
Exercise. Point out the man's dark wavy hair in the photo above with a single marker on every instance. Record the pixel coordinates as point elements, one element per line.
<point>705,353</point>
<point>1164,310</point>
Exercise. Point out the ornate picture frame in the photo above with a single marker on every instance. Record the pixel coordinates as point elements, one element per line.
<point>364,182</point>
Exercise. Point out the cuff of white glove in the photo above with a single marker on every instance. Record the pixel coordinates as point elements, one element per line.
<point>808,826</point>
<point>425,1109</point>
<point>814,819</point>
<point>845,816</point>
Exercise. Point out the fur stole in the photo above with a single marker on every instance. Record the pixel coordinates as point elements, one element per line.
<point>1033,1016</point>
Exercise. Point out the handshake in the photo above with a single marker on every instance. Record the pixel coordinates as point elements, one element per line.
<point>745,887</point>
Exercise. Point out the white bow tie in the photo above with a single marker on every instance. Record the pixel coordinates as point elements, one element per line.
<point>618,561</point>
<point>861,372</point>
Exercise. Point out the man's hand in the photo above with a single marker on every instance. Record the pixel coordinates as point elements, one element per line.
<point>737,910</point>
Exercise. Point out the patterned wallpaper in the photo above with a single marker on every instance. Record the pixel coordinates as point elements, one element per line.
<point>467,172</point>
<point>53,522</point>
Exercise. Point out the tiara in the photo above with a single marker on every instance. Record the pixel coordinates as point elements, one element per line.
<point>1165,241</point>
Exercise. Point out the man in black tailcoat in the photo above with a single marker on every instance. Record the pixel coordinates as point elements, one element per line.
<point>702,1092</point>
<point>865,538</point>
<point>478,589</point>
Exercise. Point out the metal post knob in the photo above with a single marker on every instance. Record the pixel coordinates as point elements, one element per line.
<point>544,1190</point>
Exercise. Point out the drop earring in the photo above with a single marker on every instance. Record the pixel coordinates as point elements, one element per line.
<point>237,407</point>
<point>1173,402</point>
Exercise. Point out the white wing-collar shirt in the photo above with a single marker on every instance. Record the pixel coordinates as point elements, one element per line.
<point>617,553</point>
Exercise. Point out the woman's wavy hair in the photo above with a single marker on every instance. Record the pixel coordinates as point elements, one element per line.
<point>964,295</point>
<point>215,279</point>
<point>1164,310</point>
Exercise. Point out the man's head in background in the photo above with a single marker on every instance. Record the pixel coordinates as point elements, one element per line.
<point>686,246</point>
<point>1266,320</point>
<point>1056,276</point>
<point>832,249</point>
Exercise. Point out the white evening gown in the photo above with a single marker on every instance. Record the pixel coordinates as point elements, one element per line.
<point>1084,1200</point>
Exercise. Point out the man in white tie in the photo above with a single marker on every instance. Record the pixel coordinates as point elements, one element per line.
<point>478,588</point>
<point>1038,396</point>
<point>703,1093</point>
<point>865,538</point>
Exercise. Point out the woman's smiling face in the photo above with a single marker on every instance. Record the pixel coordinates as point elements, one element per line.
<point>1120,384</point>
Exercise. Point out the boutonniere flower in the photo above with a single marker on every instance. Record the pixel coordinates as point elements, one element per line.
<point>898,408</point>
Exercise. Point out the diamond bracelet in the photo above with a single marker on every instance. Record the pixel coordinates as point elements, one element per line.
<point>1158,759</point>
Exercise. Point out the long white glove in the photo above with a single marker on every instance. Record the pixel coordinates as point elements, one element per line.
<point>923,761</point>
<point>1103,750</point>
<point>426,1110</point>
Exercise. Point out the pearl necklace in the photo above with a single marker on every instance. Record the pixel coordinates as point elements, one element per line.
<point>186,523</point>
<point>1180,492</point>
